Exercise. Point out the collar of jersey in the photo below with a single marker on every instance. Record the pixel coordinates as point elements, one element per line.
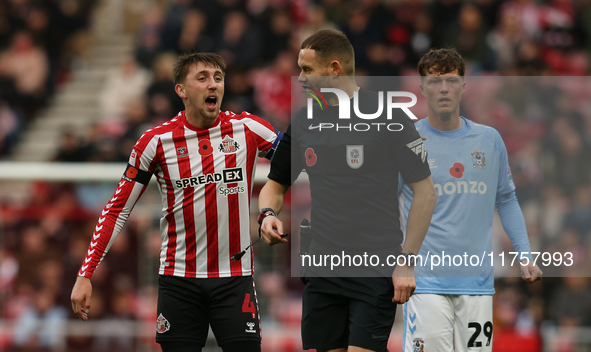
<point>197,129</point>
<point>450,134</point>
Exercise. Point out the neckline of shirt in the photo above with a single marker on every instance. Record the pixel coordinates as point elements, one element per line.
<point>199,129</point>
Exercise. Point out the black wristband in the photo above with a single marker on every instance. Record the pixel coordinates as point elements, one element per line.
<point>264,213</point>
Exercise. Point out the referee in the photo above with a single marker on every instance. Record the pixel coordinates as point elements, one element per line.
<point>353,183</point>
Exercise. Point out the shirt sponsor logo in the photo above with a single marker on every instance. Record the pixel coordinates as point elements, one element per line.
<point>226,176</point>
<point>460,187</point>
<point>230,190</point>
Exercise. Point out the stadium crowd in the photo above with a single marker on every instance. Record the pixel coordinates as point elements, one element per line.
<point>547,133</point>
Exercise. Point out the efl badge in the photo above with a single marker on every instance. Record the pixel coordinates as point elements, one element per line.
<point>478,159</point>
<point>418,345</point>
<point>354,156</point>
<point>228,145</point>
<point>162,325</point>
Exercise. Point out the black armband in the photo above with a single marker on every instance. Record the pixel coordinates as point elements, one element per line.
<point>132,174</point>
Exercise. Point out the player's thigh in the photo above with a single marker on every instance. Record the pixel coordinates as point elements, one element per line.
<point>234,310</point>
<point>473,323</point>
<point>325,317</point>
<point>428,323</point>
<point>370,322</point>
<point>181,313</point>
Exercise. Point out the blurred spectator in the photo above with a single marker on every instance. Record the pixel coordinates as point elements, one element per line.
<point>277,35</point>
<point>123,85</point>
<point>27,66</point>
<point>9,128</point>
<point>239,42</point>
<point>70,149</point>
<point>571,304</point>
<point>42,324</point>
<point>163,102</point>
<point>468,36</point>
<point>148,38</point>
<point>193,36</point>
<point>273,90</point>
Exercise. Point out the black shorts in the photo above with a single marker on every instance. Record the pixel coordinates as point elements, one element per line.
<point>188,306</point>
<point>341,312</point>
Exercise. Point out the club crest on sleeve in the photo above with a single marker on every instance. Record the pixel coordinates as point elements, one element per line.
<point>478,159</point>
<point>354,156</point>
<point>162,324</point>
<point>418,345</point>
<point>228,145</point>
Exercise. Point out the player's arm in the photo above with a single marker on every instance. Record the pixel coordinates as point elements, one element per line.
<point>419,218</point>
<point>281,176</point>
<point>512,217</point>
<point>514,225</point>
<point>109,225</point>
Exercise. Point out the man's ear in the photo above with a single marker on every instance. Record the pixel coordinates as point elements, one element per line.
<point>335,68</point>
<point>180,91</point>
<point>422,89</point>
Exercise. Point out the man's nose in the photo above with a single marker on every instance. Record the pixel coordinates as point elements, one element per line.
<point>302,78</point>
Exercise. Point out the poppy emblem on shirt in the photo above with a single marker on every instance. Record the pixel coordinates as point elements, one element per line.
<point>310,157</point>
<point>478,159</point>
<point>457,170</point>
<point>205,147</point>
<point>228,145</point>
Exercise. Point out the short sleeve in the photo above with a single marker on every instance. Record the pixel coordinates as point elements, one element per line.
<point>281,164</point>
<point>411,155</point>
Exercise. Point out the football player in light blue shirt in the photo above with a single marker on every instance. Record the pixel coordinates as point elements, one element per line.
<point>451,309</point>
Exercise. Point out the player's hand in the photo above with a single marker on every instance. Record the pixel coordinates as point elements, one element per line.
<point>271,231</point>
<point>530,272</point>
<point>404,283</point>
<point>81,297</point>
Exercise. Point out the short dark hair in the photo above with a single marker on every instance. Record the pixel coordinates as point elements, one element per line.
<point>332,44</point>
<point>184,62</point>
<point>441,61</point>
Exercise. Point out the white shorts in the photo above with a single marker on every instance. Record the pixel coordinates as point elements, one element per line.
<point>445,323</point>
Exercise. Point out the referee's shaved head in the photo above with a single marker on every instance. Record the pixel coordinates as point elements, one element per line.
<point>329,45</point>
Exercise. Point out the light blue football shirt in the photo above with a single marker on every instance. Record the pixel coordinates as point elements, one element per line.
<point>471,174</point>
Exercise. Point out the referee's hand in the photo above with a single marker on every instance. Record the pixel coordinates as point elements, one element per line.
<point>271,231</point>
<point>81,297</point>
<point>403,279</point>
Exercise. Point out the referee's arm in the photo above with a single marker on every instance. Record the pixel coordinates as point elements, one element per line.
<point>419,219</point>
<point>271,196</point>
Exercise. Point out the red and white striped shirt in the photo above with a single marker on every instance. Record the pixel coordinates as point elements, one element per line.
<point>205,180</point>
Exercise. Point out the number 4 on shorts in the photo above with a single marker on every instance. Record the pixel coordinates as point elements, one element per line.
<point>248,306</point>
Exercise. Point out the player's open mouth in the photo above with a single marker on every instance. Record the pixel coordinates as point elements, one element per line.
<point>444,100</point>
<point>211,102</point>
